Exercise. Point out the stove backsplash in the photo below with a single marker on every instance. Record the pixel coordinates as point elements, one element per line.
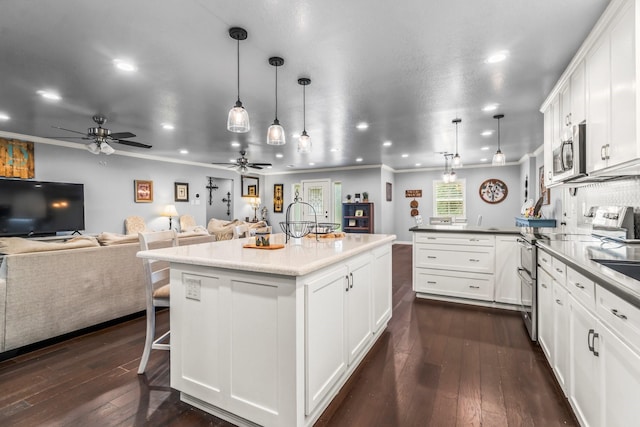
<point>616,193</point>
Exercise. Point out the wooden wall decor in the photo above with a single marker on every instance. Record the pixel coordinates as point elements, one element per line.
<point>412,194</point>
<point>16,159</point>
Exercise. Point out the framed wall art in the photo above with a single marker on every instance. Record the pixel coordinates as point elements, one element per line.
<point>143,191</point>
<point>545,192</point>
<point>181,191</point>
<point>389,191</point>
<point>278,197</point>
<point>16,159</point>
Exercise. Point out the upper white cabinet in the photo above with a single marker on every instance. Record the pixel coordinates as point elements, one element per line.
<point>599,86</point>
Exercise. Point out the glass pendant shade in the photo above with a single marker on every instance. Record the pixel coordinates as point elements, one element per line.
<point>106,148</point>
<point>304,143</point>
<point>452,176</point>
<point>456,162</point>
<point>238,120</point>
<point>93,148</point>
<point>275,134</point>
<point>499,158</point>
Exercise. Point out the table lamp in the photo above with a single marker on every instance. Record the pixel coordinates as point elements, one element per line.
<point>255,204</point>
<point>170,211</point>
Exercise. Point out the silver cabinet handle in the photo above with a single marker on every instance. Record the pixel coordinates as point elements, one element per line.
<point>603,153</point>
<point>578,285</point>
<point>431,257</point>
<point>351,275</point>
<point>543,285</point>
<point>618,314</point>
<point>474,287</point>
<point>431,282</point>
<point>544,260</point>
<point>347,288</point>
<point>474,260</point>
<point>474,240</point>
<point>559,302</point>
<point>559,271</point>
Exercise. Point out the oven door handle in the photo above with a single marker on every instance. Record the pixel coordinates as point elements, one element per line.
<point>525,244</point>
<point>524,275</point>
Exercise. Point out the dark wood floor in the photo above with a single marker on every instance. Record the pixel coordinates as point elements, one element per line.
<point>438,364</point>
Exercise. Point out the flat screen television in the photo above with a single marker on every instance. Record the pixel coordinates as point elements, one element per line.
<point>37,208</point>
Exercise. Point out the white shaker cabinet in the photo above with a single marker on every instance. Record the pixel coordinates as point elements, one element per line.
<point>561,334</point>
<point>381,291</point>
<point>507,282</point>
<point>358,313</point>
<point>545,312</point>
<point>548,148</point>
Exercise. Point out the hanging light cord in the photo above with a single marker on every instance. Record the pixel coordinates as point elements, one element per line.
<point>304,108</point>
<point>499,135</point>
<point>276,93</point>
<point>238,69</point>
<point>456,138</point>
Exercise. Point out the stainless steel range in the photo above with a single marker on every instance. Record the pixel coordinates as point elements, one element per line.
<point>528,287</point>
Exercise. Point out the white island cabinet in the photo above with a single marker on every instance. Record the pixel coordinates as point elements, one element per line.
<point>268,337</point>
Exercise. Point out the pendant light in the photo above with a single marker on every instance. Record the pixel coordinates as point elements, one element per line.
<point>448,175</point>
<point>499,157</point>
<point>304,142</point>
<point>456,162</point>
<point>275,134</point>
<point>238,120</point>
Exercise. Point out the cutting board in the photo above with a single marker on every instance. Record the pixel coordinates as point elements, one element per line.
<point>253,246</point>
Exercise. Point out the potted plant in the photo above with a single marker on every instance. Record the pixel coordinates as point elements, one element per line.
<point>365,196</point>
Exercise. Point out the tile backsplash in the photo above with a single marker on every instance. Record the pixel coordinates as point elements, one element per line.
<point>625,192</point>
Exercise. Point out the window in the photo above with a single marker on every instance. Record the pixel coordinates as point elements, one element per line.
<point>448,198</point>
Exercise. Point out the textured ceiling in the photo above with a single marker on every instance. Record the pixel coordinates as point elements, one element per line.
<point>406,67</point>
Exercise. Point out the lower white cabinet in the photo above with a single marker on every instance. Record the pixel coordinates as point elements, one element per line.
<point>545,312</point>
<point>561,334</point>
<point>358,307</point>
<point>507,282</point>
<point>381,291</point>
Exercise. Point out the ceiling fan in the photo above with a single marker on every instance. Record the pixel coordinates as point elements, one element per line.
<point>102,137</point>
<point>242,163</point>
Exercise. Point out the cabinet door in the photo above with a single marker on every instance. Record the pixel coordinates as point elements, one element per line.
<point>598,104</point>
<point>623,92</point>
<point>545,313</point>
<point>358,306</point>
<point>325,352</point>
<point>381,290</point>
<point>558,125</point>
<point>507,282</point>
<point>584,378</point>
<point>577,114</point>
<point>565,112</point>
<point>620,381</point>
<point>561,335</point>
<point>548,147</point>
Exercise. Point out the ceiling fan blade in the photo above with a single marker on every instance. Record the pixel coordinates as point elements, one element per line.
<point>259,164</point>
<point>131,143</point>
<point>254,166</point>
<point>223,163</point>
<point>120,135</point>
<point>69,130</point>
<point>67,137</point>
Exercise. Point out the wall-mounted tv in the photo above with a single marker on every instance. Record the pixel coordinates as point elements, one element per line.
<point>36,208</point>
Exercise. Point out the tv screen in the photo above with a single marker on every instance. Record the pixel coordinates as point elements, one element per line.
<point>40,208</point>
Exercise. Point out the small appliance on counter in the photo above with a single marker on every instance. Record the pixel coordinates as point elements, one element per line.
<point>615,223</point>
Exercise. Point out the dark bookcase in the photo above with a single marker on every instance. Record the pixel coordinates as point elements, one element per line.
<point>357,217</point>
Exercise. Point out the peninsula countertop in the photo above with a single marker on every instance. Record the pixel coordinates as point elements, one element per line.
<point>462,228</point>
<point>298,258</point>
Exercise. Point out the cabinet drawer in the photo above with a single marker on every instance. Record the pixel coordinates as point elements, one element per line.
<point>581,288</point>
<point>559,271</point>
<point>455,239</point>
<point>544,261</point>
<point>454,284</point>
<point>619,315</point>
<point>455,258</point>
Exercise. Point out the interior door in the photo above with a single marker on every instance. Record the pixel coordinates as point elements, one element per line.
<point>318,194</point>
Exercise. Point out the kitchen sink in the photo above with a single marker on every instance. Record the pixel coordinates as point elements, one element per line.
<point>628,268</point>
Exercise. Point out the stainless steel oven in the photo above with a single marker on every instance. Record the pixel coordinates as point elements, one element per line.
<point>528,287</point>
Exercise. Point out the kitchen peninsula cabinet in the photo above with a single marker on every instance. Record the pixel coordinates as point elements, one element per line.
<point>268,337</point>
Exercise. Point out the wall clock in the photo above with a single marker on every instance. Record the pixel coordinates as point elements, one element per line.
<point>493,191</point>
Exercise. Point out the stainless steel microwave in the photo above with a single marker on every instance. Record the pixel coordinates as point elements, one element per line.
<point>569,158</point>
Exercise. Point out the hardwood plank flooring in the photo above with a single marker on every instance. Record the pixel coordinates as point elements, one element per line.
<point>437,364</point>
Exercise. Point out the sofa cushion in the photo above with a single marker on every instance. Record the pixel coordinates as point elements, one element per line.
<point>19,245</point>
<point>198,230</point>
<point>108,239</point>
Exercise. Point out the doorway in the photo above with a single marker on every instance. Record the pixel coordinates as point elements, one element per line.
<point>219,198</point>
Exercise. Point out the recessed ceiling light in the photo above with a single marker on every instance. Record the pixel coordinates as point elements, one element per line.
<point>269,167</point>
<point>279,155</point>
<point>418,164</point>
<point>183,151</point>
<point>47,94</point>
<point>334,150</point>
<point>490,107</point>
<point>483,159</point>
<point>4,116</point>
<point>232,160</point>
<point>387,143</point>
<point>123,65</point>
<point>487,133</point>
<point>484,148</point>
<point>362,126</point>
<point>168,126</point>
<point>311,164</point>
<point>290,166</point>
<point>235,144</point>
<point>497,57</point>
<point>405,155</point>
<point>359,159</point>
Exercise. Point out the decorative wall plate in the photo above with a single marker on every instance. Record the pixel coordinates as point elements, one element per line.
<point>414,203</point>
<point>493,190</point>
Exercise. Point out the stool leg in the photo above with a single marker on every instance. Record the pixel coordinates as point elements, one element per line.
<point>148,342</point>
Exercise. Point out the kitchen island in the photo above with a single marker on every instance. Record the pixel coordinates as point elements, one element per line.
<point>268,337</point>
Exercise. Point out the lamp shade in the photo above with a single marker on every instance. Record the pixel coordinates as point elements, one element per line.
<point>498,159</point>
<point>304,143</point>
<point>238,120</point>
<point>170,210</point>
<point>275,134</point>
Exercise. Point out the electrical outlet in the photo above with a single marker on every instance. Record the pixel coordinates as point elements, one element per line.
<point>192,288</point>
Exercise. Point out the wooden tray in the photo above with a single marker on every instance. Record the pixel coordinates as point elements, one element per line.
<point>253,246</point>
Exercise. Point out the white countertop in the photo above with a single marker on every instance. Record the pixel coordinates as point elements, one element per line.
<point>297,258</point>
<point>464,228</point>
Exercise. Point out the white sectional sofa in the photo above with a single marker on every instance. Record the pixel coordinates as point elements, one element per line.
<point>47,294</point>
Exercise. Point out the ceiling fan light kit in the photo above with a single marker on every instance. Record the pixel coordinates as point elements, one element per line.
<point>304,142</point>
<point>275,133</point>
<point>499,158</point>
<point>456,161</point>
<point>238,120</point>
